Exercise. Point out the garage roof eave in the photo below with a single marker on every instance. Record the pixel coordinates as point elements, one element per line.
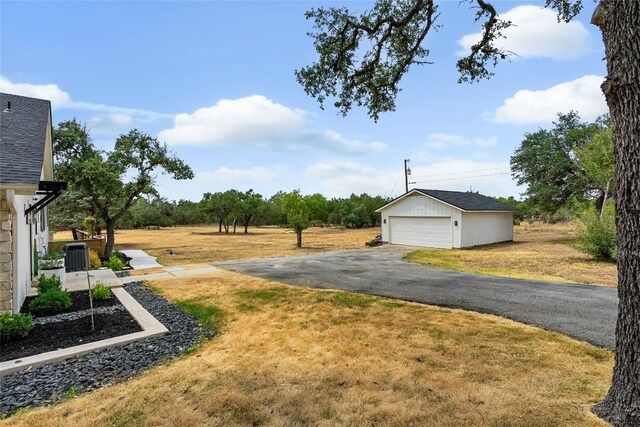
<point>416,191</point>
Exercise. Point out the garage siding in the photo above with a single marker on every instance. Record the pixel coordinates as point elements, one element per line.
<point>421,206</point>
<point>483,228</point>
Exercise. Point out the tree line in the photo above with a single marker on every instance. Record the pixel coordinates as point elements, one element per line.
<point>234,211</point>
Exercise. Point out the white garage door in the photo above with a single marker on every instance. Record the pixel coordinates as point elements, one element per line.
<point>432,232</point>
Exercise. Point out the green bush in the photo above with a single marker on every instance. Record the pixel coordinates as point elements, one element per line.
<point>115,263</point>
<point>14,326</point>
<point>101,292</point>
<point>596,236</point>
<point>46,284</point>
<point>53,301</point>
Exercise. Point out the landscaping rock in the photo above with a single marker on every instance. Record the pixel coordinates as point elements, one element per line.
<point>49,383</point>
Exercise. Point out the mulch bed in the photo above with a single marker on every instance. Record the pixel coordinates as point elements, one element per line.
<point>53,336</point>
<point>80,301</point>
<point>68,333</point>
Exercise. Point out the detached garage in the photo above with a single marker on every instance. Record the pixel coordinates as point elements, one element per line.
<point>445,219</point>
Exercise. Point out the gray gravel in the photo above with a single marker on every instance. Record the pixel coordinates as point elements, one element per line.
<point>585,312</point>
<point>77,314</point>
<point>50,383</point>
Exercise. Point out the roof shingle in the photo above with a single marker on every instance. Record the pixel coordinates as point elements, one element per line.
<point>467,201</point>
<point>23,135</point>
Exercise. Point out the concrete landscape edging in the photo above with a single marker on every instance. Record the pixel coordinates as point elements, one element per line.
<point>151,328</point>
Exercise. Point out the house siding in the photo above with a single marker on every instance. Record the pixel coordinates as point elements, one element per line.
<point>6,256</point>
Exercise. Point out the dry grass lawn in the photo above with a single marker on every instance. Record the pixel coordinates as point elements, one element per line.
<point>297,356</point>
<point>204,243</point>
<point>538,252</point>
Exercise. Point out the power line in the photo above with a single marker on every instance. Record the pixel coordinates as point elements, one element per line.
<point>457,173</point>
<point>462,177</point>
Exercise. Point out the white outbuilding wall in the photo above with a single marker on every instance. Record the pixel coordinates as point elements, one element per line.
<point>483,228</point>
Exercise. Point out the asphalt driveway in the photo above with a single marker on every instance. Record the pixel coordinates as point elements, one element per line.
<point>581,311</point>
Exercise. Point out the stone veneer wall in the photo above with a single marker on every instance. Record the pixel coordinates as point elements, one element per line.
<point>6,259</point>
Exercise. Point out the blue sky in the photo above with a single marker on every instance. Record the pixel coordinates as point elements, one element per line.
<point>215,80</point>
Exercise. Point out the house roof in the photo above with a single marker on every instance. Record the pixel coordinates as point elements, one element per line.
<point>465,201</point>
<point>23,136</point>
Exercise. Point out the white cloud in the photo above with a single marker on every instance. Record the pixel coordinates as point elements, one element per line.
<point>440,141</point>
<point>257,121</point>
<point>536,32</point>
<point>234,175</point>
<point>51,92</point>
<point>108,123</point>
<point>61,99</point>
<point>251,120</point>
<point>582,95</point>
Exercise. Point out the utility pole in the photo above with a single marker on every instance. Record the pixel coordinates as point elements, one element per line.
<point>407,172</point>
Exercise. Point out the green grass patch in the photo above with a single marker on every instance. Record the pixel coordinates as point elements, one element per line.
<point>354,300</point>
<point>210,316</point>
<point>276,294</point>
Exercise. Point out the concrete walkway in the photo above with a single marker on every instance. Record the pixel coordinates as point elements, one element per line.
<point>140,259</point>
<point>170,273</point>
<point>77,280</point>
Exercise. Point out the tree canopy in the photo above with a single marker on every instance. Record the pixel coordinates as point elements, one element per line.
<point>547,162</point>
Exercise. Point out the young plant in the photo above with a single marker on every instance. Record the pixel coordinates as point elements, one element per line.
<point>53,301</point>
<point>101,292</point>
<point>46,284</point>
<point>115,263</point>
<point>14,326</point>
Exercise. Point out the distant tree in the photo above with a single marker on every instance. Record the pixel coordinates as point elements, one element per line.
<point>354,214</point>
<point>276,213</point>
<point>249,203</point>
<point>297,211</point>
<point>112,181</point>
<point>223,206</point>
<point>318,208</point>
<point>596,163</point>
<point>68,212</point>
<point>189,213</point>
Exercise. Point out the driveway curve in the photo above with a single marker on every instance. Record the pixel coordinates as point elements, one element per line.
<point>584,312</point>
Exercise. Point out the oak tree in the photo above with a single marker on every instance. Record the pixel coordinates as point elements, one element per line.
<point>112,181</point>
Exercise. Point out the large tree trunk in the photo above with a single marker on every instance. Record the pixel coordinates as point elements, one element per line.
<point>220,226</point>
<point>299,238</point>
<point>620,24</point>
<point>74,233</point>
<point>111,238</point>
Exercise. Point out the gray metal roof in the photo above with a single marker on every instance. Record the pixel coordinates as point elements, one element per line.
<point>467,201</point>
<point>23,134</point>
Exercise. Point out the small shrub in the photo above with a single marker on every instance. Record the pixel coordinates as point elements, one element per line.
<point>101,292</point>
<point>115,263</point>
<point>597,236</point>
<point>46,284</point>
<point>15,326</point>
<point>94,260</point>
<point>51,302</point>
